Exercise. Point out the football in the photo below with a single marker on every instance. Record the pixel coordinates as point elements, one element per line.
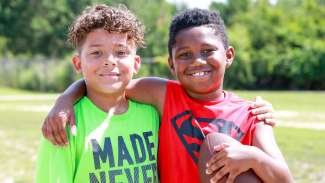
<point>206,152</point>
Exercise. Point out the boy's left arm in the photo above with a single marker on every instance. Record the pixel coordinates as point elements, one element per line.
<point>265,158</point>
<point>270,161</point>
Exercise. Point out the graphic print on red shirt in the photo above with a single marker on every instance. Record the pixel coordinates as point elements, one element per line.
<point>186,121</point>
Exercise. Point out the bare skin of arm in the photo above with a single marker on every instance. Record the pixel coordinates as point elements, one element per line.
<point>147,90</point>
<point>264,157</point>
<point>62,113</point>
<point>150,90</point>
<point>273,159</point>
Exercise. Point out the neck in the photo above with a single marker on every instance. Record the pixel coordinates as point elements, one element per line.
<point>208,97</point>
<point>107,102</point>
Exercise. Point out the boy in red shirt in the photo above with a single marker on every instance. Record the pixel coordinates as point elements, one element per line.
<point>194,106</point>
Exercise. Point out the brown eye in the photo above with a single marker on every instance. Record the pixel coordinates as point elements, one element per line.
<point>185,55</point>
<point>96,53</point>
<point>207,52</point>
<point>121,53</point>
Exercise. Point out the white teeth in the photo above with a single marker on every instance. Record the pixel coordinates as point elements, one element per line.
<point>200,74</point>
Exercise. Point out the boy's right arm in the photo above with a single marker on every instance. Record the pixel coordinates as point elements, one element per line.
<point>62,112</point>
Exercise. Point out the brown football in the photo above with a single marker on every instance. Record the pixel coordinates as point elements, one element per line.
<point>206,152</point>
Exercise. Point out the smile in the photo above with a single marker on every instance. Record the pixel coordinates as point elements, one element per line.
<point>199,74</point>
<point>109,74</point>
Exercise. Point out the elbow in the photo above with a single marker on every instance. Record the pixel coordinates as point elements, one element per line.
<point>286,176</point>
<point>282,175</point>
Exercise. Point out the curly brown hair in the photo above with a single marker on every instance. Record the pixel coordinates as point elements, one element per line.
<point>112,19</point>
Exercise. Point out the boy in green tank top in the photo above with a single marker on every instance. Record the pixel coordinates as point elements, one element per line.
<point>117,138</point>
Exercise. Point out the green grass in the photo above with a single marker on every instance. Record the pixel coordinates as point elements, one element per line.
<point>299,101</point>
<point>10,91</point>
<point>304,149</point>
<point>299,107</point>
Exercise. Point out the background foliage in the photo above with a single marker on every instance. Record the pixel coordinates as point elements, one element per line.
<point>278,46</point>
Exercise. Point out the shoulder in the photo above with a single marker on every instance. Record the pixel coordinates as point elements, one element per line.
<point>140,108</point>
<point>173,84</point>
<point>144,112</point>
<point>81,103</point>
<point>174,87</point>
<point>240,108</point>
<point>234,100</point>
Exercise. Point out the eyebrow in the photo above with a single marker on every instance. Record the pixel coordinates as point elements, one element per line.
<point>182,48</point>
<point>119,45</point>
<point>122,45</point>
<point>95,45</point>
<point>209,44</point>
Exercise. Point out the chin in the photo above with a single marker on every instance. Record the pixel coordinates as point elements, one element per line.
<point>108,89</point>
<point>112,89</point>
<point>201,88</point>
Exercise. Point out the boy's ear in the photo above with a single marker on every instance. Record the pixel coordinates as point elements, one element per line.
<point>76,62</point>
<point>137,64</point>
<point>230,55</point>
<point>171,65</point>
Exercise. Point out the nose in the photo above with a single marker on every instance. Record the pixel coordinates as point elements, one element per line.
<point>110,60</point>
<point>199,60</point>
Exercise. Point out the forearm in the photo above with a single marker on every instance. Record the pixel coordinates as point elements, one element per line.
<point>270,169</point>
<point>74,92</point>
<point>150,90</point>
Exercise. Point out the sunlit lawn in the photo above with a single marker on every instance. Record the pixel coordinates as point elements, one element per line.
<point>304,149</point>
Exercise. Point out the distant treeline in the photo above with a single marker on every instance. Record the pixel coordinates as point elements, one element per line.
<point>278,46</point>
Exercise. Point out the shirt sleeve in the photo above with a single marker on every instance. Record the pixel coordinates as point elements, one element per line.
<point>55,164</point>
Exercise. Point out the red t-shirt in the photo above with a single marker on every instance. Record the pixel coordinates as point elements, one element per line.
<point>184,122</point>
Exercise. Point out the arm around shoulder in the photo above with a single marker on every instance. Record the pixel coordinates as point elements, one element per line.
<point>150,90</point>
<point>62,112</point>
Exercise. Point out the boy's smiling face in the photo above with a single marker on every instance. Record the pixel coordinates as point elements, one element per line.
<point>199,60</point>
<point>107,61</point>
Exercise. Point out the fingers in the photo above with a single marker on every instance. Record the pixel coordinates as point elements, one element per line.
<point>232,176</point>
<point>259,102</point>
<point>49,132</point>
<point>45,132</point>
<point>215,166</point>
<point>271,122</point>
<point>220,147</point>
<point>262,110</point>
<point>216,157</point>
<point>61,126</point>
<point>55,128</point>
<point>219,174</point>
<point>72,122</point>
<point>268,119</point>
<point>259,99</point>
<point>215,161</point>
<point>262,117</point>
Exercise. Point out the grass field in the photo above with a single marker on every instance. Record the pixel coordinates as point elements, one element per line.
<point>300,133</point>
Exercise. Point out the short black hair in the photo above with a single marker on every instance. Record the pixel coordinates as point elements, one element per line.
<point>194,18</point>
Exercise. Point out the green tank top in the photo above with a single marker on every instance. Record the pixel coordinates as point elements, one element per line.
<point>117,148</point>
